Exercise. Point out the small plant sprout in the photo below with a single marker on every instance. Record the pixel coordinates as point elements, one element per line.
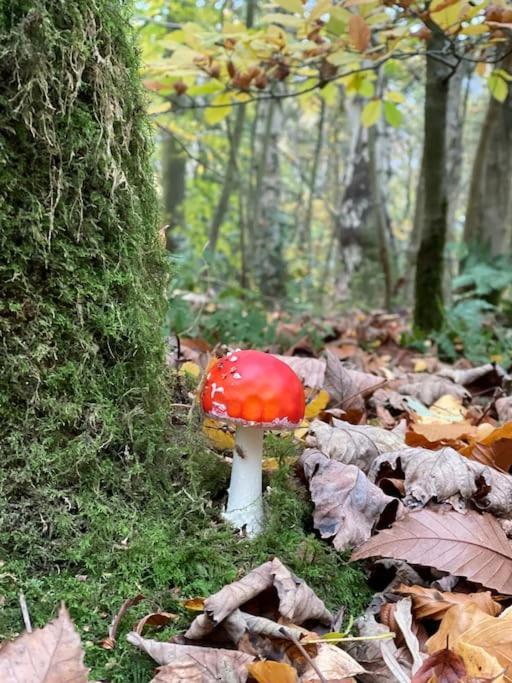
<point>255,391</point>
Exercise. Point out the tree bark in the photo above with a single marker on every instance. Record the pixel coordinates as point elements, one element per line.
<point>174,167</point>
<point>489,212</point>
<point>429,310</point>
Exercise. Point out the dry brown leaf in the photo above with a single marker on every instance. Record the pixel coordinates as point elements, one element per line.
<point>456,620</point>
<point>334,664</point>
<point>481,666</point>
<point>359,33</point>
<point>494,636</point>
<point>347,504</point>
<point>154,619</point>
<point>472,545</point>
<point>444,666</point>
<point>273,672</point>
<point>436,434</point>
<point>189,661</point>
<point>353,444</point>
<point>429,388</point>
<point>445,476</point>
<point>310,370</point>
<point>52,654</point>
<point>429,603</point>
<point>490,374</point>
<point>348,387</point>
<point>403,617</point>
<point>495,449</point>
<point>297,602</point>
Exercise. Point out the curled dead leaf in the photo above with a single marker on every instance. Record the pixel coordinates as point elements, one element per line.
<point>429,603</point>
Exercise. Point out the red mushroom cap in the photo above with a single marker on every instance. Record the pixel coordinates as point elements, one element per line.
<point>254,388</point>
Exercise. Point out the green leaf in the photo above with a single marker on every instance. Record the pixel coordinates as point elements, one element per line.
<point>498,86</point>
<point>291,5</point>
<point>220,110</point>
<point>366,88</point>
<point>371,113</point>
<point>394,96</point>
<point>393,114</point>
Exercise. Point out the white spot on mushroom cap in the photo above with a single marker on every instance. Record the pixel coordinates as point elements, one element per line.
<point>237,375</point>
<point>232,358</point>
<point>216,389</point>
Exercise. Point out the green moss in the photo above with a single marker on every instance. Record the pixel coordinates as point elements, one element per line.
<point>177,543</point>
<point>82,390</point>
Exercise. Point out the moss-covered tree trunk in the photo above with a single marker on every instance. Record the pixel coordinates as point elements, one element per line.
<point>81,275</point>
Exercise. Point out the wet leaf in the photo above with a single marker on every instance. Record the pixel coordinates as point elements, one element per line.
<point>471,545</point>
<point>347,504</point>
<point>52,654</point>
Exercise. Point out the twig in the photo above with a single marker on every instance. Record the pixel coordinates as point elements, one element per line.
<point>304,653</point>
<point>25,614</point>
<point>109,642</point>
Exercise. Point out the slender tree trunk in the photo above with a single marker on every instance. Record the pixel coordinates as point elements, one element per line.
<point>269,267</point>
<point>174,167</point>
<point>306,232</point>
<point>429,311</point>
<point>489,211</point>
<point>229,180</point>
<point>381,218</point>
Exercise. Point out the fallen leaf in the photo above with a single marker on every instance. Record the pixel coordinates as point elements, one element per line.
<point>319,403</point>
<point>446,409</point>
<point>444,666</point>
<point>430,388</point>
<point>194,604</point>
<point>311,371</point>
<point>491,374</point>
<point>273,672</point>
<point>189,662</point>
<point>218,434</point>
<point>494,636</point>
<point>445,476</point>
<point>347,504</point>
<point>52,654</point>
<point>504,409</point>
<point>472,545</point>
<point>429,603</point>
<point>456,620</point>
<point>334,664</point>
<point>297,602</point>
<point>480,664</point>
<point>109,642</point>
<point>403,617</point>
<point>495,449</point>
<point>435,434</point>
<point>353,444</point>
<point>347,387</point>
<point>154,619</point>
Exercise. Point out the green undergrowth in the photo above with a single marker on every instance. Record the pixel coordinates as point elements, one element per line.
<point>173,547</point>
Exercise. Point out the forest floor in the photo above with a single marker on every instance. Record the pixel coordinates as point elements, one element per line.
<point>179,549</point>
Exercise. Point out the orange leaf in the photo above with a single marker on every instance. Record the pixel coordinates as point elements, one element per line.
<point>359,33</point>
<point>273,672</point>
<point>433,604</point>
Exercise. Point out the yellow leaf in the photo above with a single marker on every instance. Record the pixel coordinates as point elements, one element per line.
<point>420,365</point>
<point>183,56</point>
<point>272,672</point>
<point>220,109</point>
<point>479,663</point>
<point>321,7</point>
<point>319,403</point>
<point>446,13</point>
<point>498,86</point>
<point>291,5</point>
<point>190,368</point>
<point>289,20</point>
<point>218,434</point>
<point>194,604</point>
<point>394,96</point>
<point>371,113</point>
<point>448,408</point>
<point>475,29</point>
<point>481,69</point>
<point>301,431</point>
<point>159,107</point>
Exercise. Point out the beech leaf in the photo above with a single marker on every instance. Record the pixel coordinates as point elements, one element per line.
<point>347,504</point>
<point>429,603</point>
<point>443,666</point>
<point>348,387</point>
<point>429,388</point>
<point>52,654</point>
<point>273,672</point>
<point>359,32</point>
<point>472,545</point>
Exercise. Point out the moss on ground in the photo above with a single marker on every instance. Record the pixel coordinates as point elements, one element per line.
<point>174,542</point>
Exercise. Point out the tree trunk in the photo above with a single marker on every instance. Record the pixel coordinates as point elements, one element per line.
<point>428,311</point>
<point>174,167</point>
<point>82,276</point>
<point>489,212</point>
<point>268,263</point>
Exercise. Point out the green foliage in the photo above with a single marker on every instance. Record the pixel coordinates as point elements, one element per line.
<point>175,547</point>
<point>82,383</point>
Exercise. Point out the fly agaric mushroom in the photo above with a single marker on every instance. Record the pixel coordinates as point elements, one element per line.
<point>255,391</point>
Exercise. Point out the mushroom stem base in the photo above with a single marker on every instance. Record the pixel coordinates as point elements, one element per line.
<point>245,501</point>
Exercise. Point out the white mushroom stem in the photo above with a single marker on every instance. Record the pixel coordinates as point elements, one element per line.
<point>245,502</point>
